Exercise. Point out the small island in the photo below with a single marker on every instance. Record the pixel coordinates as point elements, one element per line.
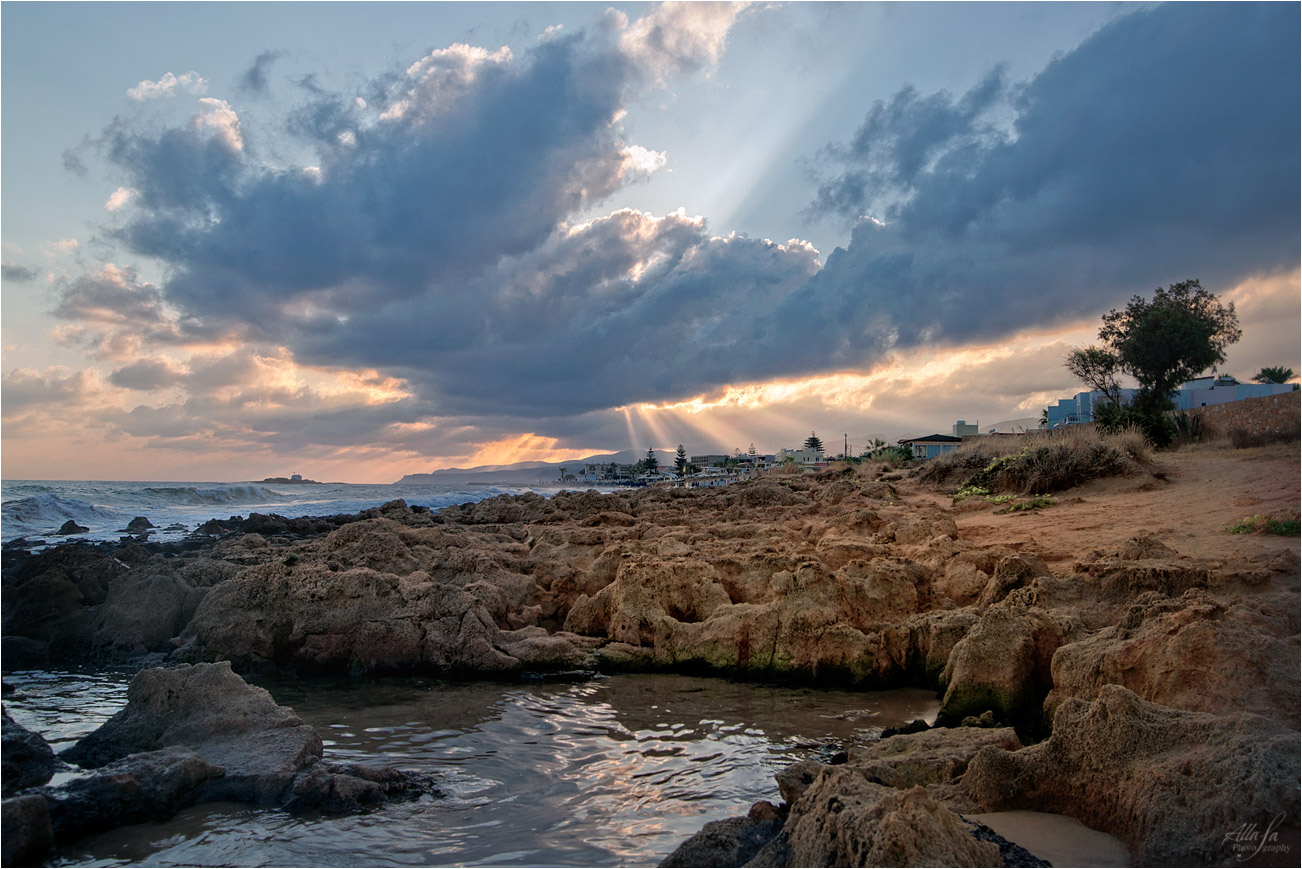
<point>292,478</point>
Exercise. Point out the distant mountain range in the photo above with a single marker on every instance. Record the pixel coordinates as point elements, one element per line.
<point>525,473</point>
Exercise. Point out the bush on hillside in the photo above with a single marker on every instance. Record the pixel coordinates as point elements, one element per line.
<point>1039,463</point>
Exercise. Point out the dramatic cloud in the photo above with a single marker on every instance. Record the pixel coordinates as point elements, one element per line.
<point>628,307</point>
<point>167,86</point>
<point>900,140</point>
<point>435,229</point>
<point>1164,147</point>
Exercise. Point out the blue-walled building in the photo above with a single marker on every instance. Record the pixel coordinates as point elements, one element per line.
<point>1199,392</point>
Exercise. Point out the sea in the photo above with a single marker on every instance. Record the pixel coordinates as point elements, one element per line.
<point>37,509</point>
<point>616,771</point>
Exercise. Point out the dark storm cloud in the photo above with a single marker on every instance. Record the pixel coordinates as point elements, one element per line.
<point>629,307</point>
<point>254,80</point>
<point>476,157</point>
<point>1164,147</point>
<point>430,241</point>
<point>900,139</point>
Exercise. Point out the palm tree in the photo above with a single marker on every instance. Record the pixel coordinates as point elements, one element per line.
<point>1274,374</point>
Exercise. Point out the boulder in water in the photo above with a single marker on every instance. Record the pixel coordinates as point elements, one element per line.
<point>28,760</point>
<point>138,524</point>
<point>71,527</point>
<point>209,709</point>
<point>194,734</point>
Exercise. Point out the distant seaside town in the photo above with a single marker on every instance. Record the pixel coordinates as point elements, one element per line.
<point>705,471</point>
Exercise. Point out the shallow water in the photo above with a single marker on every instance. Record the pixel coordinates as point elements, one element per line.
<point>615,771</point>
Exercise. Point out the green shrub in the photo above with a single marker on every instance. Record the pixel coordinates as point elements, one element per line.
<point>1190,429</point>
<point>1152,417</point>
<point>894,456</point>
<point>970,492</point>
<point>1040,462</point>
<point>1030,504</point>
<point>1283,527</point>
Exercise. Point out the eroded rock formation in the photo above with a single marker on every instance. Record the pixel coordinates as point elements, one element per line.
<point>834,577</point>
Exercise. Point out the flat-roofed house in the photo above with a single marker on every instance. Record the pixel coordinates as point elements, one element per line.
<point>932,445</point>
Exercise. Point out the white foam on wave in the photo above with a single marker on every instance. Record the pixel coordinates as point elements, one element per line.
<point>40,513</point>
<point>164,496</point>
<point>38,508</point>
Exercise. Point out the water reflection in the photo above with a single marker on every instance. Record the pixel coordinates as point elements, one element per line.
<point>616,771</point>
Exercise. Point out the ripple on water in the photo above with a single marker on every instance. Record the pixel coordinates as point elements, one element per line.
<point>616,771</point>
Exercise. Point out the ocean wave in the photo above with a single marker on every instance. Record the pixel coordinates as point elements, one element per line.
<point>185,496</point>
<point>44,513</point>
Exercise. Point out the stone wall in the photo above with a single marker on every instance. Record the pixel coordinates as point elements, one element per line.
<point>1269,418</point>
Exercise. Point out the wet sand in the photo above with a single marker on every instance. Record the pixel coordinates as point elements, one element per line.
<point>1059,839</point>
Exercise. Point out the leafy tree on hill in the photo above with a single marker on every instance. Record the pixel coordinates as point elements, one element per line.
<point>813,442</point>
<point>1162,343</point>
<point>680,461</point>
<point>1274,374</point>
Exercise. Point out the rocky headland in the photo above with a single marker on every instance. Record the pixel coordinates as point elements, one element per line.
<point>1118,658</point>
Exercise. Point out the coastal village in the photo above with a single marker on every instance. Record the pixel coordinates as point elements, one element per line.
<point>711,470</point>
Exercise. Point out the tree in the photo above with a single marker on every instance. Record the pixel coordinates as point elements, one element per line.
<point>813,443</point>
<point>1274,374</point>
<point>562,472</point>
<point>651,463</point>
<point>1044,418</point>
<point>1162,343</point>
<point>1181,333</point>
<point>1097,368</point>
<point>680,461</point>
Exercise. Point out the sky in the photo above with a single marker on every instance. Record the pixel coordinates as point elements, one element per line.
<point>359,240</point>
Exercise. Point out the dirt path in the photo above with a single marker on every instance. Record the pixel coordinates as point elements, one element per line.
<point>1203,490</point>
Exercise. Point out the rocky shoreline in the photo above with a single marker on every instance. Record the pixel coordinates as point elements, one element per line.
<point>1149,694</point>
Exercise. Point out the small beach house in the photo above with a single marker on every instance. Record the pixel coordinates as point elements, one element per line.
<point>932,445</point>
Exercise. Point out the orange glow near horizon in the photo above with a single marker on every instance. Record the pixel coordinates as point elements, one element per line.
<point>910,370</point>
<point>527,447</point>
<point>86,431</point>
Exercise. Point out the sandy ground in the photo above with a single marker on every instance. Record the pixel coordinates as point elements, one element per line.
<point>1057,839</point>
<point>1187,502</point>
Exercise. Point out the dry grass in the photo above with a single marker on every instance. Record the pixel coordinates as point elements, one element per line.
<point>1040,462</point>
